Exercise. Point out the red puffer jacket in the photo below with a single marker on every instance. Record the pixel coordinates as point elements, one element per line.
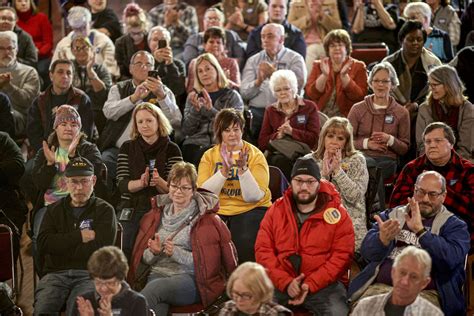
<point>325,241</point>
<point>214,253</point>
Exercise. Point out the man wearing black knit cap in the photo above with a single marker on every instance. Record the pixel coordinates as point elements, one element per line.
<point>306,242</point>
<point>72,229</point>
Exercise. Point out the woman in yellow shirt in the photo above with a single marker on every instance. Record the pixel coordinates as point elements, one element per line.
<point>238,173</point>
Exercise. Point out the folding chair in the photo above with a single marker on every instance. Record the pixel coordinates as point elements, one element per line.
<point>278,182</point>
<point>119,236</point>
<point>369,52</point>
<point>7,263</point>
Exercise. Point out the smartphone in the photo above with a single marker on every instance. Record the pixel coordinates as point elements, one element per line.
<point>162,43</point>
<point>153,73</point>
<point>151,167</point>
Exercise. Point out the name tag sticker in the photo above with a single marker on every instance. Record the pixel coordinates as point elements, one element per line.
<point>301,119</point>
<point>389,119</point>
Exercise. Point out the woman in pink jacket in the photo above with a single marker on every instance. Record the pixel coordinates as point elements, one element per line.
<point>381,125</point>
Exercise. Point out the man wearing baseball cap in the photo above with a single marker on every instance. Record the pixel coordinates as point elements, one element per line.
<point>306,242</point>
<point>72,229</point>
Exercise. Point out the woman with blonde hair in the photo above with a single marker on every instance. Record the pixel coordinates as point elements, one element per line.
<point>345,167</point>
<point>446,103</point>
<point>135,28</point>
<point>212,92</point>
<point>143,165</point>
<point>251,291</point>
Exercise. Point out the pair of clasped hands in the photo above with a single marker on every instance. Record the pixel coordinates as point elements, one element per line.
<point>332,160</point>
<point>378,141</point>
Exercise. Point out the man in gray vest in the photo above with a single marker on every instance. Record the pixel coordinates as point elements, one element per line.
<point>122,99</point>
<point>425,223</point>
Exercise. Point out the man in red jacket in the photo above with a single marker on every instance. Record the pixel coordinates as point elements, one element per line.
<point>306,243</point>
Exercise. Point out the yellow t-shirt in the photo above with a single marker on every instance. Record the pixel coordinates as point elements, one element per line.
<point>230,197</point>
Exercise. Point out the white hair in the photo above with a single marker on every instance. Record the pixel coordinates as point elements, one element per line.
<point>164,32</point>
<point>11,36</point>
<point>284,75</point>
<point>79,16</point>
<point>418,7</point>
<point>420,255</point>
<point>280,27</point>
<point>384,65</point>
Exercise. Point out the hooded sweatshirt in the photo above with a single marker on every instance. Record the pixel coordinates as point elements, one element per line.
<point>393,120</point>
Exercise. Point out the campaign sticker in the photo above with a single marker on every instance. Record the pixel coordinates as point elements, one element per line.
<point>389,119</point>
<point>332,215</point>
<point>301,119</point>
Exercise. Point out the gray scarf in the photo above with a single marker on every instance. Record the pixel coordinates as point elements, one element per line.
<point>171,222</point>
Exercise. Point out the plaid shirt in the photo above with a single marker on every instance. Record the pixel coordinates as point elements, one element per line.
<point>187,25</point>
<point>268,309</point>
<point>459,174</point>
<point>375,305</point>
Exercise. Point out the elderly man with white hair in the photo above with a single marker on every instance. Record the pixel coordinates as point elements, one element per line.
<point>172,71</point>
<point>255,87</point>
<point>438,41</point>
<point>80,20</point>
<point>18,81</point>
<point>410,275</point>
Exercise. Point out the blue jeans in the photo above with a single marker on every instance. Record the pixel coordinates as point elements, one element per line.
<point>244,228</point>
<point>330,301</point>
<point>57,288</point>
<point>163,291</point>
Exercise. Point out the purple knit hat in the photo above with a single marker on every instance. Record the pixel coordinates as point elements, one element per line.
<point>66,113</point>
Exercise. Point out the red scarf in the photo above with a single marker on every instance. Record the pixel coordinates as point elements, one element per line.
<point>450,117</point>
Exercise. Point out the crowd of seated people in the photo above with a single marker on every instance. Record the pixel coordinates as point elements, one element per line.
<point>175,132</point>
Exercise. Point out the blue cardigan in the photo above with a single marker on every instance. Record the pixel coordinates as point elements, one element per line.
<point>447,242</point>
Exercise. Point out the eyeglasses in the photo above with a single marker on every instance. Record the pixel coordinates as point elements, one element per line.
<point>183,189</point>
<point>309,183</point>
<point>434,84</point>
<point>242,296</point>
<point>108,283</point>
<point>435,141</point>
<point>80,48</point>
<point>83,182</point>
<point>140,64</point>
<point>420,193</point>
<point>383,82</point>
